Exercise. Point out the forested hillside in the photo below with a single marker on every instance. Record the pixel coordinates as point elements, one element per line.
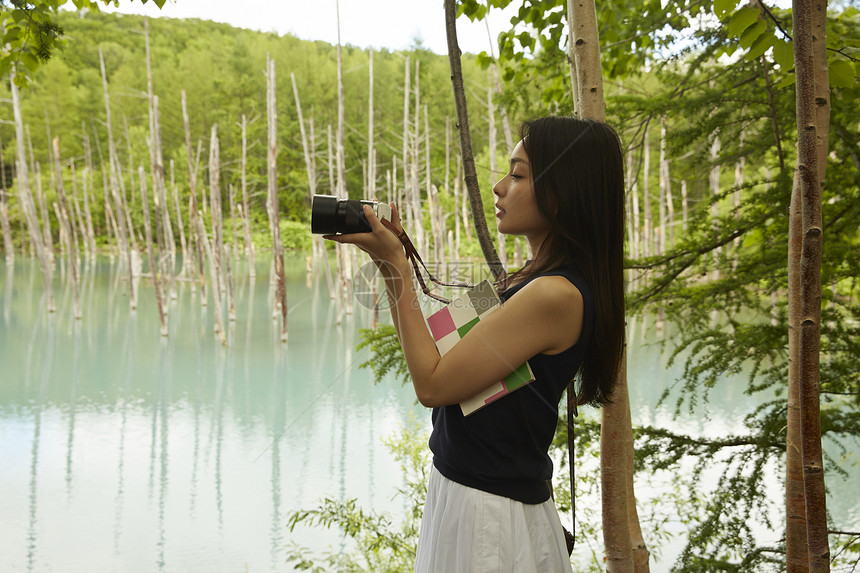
<point>221,69</point>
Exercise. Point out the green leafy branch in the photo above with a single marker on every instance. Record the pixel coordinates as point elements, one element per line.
<point>31,34</point>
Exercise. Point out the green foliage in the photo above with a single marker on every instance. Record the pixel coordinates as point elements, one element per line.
<point>31,33</point>
<point>386,355</point>
<point>382,546</point>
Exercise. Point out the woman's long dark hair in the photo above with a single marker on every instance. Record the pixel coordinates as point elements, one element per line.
<point>578,171</point>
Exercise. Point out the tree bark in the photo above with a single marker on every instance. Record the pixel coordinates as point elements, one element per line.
<point>471,177</point>
<point>87,180</point>
<point>193,236</point>
<point>281,293</point>
<point>153,259</point>
<point>216,213</point>
<point>810,283</point>
<point>491,145</point>
<point>666,210</point>
<point>25,197</point>
<point>126,239</point>
<point>407,210</point>
<point>346,254</point>
<point>422,241</point>
<point>585,53</point>
<point>203,240</point>
<point>647,211</point>
<point>620,534</point>
<point>8,246</point>
<point>796,547</point>
<point>246,209</point>
<point>65,221</point>
<point>319,246</point>
<point>635,237</point>
<point>157,164</point>
<point>714,184</point>
<point>179,223</point>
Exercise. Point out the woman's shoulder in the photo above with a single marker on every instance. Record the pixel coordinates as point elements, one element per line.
<point>553,289</point>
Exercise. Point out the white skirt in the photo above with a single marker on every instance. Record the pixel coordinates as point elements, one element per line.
<point>465,530</point>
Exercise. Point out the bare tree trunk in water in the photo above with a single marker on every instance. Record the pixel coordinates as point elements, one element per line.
<point>153,258</point>
<point>272,203</point>
<point>126,240</point>
<point>65,221</point>
<point>25,197</point>
<point>8,246</point>
<point>193,237</point>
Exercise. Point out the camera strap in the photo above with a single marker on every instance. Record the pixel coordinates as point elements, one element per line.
<point>415,259</point>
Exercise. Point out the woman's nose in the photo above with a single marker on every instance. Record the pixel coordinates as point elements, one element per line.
<point>497,187</point>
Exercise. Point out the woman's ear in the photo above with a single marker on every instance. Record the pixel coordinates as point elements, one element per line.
<point>552,204</point>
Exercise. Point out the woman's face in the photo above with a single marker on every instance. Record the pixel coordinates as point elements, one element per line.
<point>516,207</point>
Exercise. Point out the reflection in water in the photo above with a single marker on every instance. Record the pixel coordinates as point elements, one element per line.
<point>37,430</point>
<point>7,293</point>
<point>128,356</point>
<point>180,433</point>
<point>278,421</point>
<point>73,405</point>
<point>126,451</point>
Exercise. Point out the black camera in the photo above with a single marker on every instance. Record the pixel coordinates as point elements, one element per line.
<point>331,216</point>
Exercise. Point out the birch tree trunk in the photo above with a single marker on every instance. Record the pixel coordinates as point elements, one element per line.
<point>65,221</point>
<point>471,176</point>
<point>47,234</point>
<point>125,238</point>
<point>647,217</point>
<point>714,184</point>
<point>203,240</point>
<point>110,219</point>
<point>179,223</point>
<point>193,235</point>
<point>491,145</point>
<point>635,238</point>
<point>346,254</point>
<point>216,212</point>
<point>684,205</point>
<point>407,211</point>
<point>8,246</point>
<point>80,228</point>
<point>622,536</point>
<point>157,163</point>
<point>585,54</point>
<point>811,183</point>
<point>740,164</point>
<point>319,244</point>
<point>414,188</point>
<point>796,547</point>
<point>666,208</point>
<point>246,209</point>
<point>371,152</point>
<point>87,184</point>
<point>272,203</point>
<point>153,257</point>
<point>26,198</point>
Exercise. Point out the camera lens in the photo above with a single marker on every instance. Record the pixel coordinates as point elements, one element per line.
<point>330,216</point>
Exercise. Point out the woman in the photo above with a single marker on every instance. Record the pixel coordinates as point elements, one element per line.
<point>488,505</point>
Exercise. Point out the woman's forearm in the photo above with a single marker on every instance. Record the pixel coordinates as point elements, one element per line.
<point>418,347</point>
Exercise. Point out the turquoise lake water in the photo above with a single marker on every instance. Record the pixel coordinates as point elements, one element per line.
<point>124,451</point>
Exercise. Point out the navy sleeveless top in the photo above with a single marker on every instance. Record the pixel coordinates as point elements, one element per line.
<point>502,448</point>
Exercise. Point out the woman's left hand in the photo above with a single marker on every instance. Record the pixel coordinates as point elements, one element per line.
<point>382,244</point>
